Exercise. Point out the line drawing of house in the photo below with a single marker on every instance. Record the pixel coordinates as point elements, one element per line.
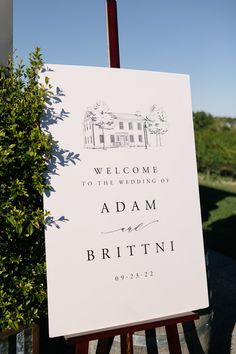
<point>104,129</point>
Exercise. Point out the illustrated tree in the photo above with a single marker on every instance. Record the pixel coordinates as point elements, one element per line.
<point>102,117</point>
<point>156,123</point>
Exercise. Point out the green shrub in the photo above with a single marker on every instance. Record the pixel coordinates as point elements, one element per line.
<point>24,152</point>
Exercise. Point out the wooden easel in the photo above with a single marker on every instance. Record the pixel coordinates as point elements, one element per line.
<point>105,338</point>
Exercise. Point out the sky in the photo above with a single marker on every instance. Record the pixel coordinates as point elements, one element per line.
<point>194,37</point>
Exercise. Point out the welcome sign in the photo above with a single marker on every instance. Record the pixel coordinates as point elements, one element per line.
<point>124,242</point>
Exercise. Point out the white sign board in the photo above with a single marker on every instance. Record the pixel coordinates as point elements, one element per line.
<point>125,243</point>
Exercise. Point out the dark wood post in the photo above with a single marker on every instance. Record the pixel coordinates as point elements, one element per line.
<point>6,30</point>
<point>113,36</point>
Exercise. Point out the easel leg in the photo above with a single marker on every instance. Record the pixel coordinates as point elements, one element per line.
<point>126,343</point>
<point>173,339</point>
<point>151,341</point>
<point>82,347</point>
<point>104,345</point>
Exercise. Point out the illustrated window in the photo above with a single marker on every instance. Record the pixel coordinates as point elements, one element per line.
<point>121,125</point>
<point>131,138</point>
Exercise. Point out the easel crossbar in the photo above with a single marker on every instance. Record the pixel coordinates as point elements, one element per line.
<point>131,329</point>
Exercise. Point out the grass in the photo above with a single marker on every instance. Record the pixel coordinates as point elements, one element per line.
<point>218,204</point>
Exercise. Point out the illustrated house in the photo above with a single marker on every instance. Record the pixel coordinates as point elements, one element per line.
<point>127,130</point>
